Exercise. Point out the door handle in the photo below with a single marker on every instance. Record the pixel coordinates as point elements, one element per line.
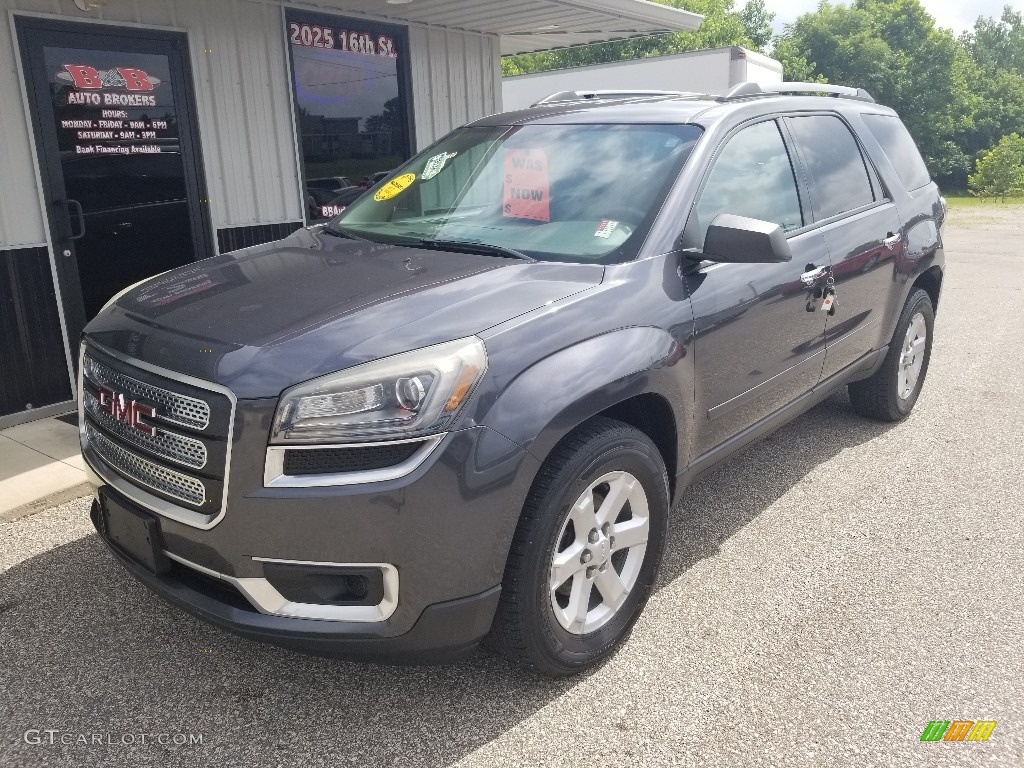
<point>77,206</point>
<point>813,274</point>
<point>892,240</point>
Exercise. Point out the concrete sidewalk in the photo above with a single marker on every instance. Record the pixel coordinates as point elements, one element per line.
<point>40,466</point>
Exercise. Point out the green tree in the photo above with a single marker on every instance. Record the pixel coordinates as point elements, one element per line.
<point>722,26</point>
<point>1000,170</point>
<point>997,47</point>
<point>894,50</point>
<point>757,20</point>
<point>998,43</point>
<point>1000,109</point>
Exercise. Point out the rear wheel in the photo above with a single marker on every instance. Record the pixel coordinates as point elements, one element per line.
<point>586,551</point>
<point>890,394</point>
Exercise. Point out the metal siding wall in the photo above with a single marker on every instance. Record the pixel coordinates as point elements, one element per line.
<point>243,103</point>
<point>21,220</point>
<point>245,111</point>
<point>456,79</point>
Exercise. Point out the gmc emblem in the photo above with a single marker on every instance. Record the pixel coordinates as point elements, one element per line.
<point>127,411</point>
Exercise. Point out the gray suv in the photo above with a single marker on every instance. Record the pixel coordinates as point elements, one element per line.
<point>462,410</point>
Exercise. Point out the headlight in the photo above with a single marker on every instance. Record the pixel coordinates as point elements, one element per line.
<point>409,395</point>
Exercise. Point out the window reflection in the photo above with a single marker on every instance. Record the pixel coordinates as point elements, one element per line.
<point>752,177</point>
<point>352,115</point>
<point>841,181</point>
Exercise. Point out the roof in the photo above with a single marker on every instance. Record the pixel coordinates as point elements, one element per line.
<point>526,26</point>
<point>674,108</point>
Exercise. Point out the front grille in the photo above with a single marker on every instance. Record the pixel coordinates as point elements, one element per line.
<point>166,481</point>
<point>324,461</point>
<point>179,471</point>
<point>178,448</point>
<point>175,408</point>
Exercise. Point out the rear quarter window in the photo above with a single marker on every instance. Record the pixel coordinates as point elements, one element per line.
<point>900,149</point>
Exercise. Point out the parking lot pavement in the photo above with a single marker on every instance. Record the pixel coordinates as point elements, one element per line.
<point>824,596</point>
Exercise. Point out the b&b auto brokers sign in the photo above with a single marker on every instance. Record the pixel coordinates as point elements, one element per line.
<point>112,131</point>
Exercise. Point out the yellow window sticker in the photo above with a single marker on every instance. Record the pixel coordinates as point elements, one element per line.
<point>394,187</point>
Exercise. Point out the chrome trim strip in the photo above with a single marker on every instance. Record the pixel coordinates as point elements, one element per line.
<point>191,490</point>
<point>98,474</point>
<point>274,476</point>
<point>136,494</point>
<point>168,445</point>
<point>266,599</point>
<point>100,375</point>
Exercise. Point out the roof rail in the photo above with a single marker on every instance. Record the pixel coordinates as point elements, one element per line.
<point>561,96</point>
<point>746,90</point>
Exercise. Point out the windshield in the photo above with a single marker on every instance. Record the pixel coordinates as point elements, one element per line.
<point>580,193</point>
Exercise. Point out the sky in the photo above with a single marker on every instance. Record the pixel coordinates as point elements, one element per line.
<point>957,15</point>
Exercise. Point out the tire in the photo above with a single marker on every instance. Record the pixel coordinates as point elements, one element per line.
<point>891,392</point>
<point>564,629</point>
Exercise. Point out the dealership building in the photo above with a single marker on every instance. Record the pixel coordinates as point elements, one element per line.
<point>141,135</point>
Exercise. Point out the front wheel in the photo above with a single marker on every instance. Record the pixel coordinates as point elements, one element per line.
<point>586,551</point>
<point>890,394</point>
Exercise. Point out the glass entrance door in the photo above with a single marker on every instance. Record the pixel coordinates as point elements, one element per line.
<point>114,123</point>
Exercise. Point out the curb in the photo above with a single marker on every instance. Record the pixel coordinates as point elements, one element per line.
<point>60,497</point>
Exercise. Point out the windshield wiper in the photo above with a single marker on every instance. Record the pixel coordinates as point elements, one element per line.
<point>343,233</point>
<point>473,246</point>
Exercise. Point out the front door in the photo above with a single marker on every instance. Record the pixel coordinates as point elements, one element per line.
<point>757,347</point>
<point>118,153</point>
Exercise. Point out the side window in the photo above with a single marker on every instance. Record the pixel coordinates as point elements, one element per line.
<point>752,177</point>
<point>899,147</point>
<point>834,161</point>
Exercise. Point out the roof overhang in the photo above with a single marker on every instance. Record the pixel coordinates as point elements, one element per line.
<point>527,26</point>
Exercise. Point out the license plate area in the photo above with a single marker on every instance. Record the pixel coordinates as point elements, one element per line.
<point>134,532</point>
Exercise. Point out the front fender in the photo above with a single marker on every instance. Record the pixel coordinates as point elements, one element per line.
<point>555,395</point>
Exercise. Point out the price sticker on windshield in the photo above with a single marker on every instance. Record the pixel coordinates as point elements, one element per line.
<point>394,187</point>
<point>527,188</point>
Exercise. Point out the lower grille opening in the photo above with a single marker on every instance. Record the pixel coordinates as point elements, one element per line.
<point>326,585</point>
<point>325,461</point>
<point>219,590</point>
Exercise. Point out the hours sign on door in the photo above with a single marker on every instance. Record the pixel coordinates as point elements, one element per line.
<point>111,110</point>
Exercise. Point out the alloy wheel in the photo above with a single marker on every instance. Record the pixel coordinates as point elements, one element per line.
<point>599,552</point>
<point>912,359</point>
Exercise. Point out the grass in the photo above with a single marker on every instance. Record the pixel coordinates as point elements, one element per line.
<point>958,200</point>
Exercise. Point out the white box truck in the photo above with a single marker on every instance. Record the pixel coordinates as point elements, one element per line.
<point>713,71</point>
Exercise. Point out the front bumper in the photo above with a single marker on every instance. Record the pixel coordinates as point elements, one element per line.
<point>445,529</point>
<point>444,632</point>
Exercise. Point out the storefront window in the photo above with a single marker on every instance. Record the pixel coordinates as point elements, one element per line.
<point>352,107</point>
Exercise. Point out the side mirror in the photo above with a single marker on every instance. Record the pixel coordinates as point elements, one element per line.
<point>738,239</point>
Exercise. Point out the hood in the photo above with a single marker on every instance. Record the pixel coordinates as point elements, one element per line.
<point>265,318</point>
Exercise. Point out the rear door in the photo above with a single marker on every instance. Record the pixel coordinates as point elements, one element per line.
<point>862,228</point>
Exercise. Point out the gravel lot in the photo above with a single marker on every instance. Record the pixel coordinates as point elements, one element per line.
<point>823,597</point>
